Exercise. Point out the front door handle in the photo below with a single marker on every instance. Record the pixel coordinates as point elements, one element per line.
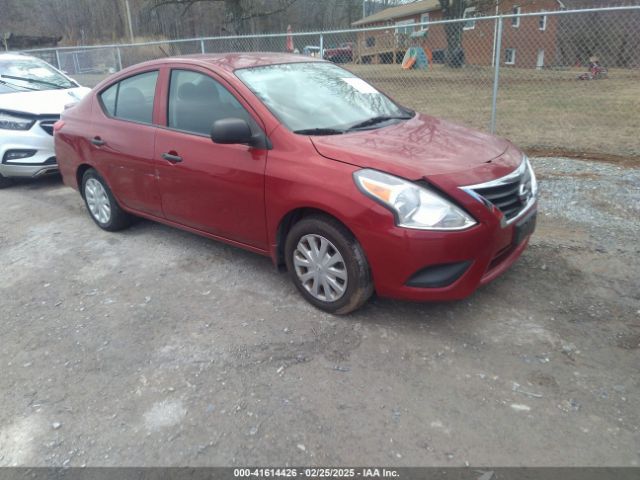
<point>97,141</point>
<point>172,157</point>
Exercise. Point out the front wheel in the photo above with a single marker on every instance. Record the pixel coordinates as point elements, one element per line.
<point>101,203</point>
<point>327,265</point>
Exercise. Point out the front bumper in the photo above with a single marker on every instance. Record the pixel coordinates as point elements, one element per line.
<point>426,265</point>
<point>462,261</point>
<point>37,141</point>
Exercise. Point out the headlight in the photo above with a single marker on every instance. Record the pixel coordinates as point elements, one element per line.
<point>13,122</point>
<point>412,205</point>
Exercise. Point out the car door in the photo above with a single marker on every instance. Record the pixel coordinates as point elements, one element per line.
<point>122,138</point>
<point>218,189</point>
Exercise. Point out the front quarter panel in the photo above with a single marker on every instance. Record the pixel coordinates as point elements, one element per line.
<point>298,177</point>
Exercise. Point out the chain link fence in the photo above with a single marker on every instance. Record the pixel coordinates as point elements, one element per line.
<point>562,82</point>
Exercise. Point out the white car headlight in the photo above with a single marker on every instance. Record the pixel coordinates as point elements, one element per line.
<point>14,122</point>
<point>413,206</point>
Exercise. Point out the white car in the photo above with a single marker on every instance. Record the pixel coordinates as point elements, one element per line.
<point>32,96</point>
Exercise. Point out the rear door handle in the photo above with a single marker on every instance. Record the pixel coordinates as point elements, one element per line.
<point>97,141</point>
<point>170,157</point>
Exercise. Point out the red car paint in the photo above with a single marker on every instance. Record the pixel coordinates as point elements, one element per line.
<point>243,195</point>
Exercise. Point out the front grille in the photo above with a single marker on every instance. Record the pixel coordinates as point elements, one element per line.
<point>47,125</point>
<point>511,194</point>
<point>505,197</point>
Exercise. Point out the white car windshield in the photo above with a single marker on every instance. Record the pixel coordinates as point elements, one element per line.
<point>30,74</point>
<point>318,98</point>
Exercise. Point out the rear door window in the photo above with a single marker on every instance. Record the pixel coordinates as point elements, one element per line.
<point>132,98</point>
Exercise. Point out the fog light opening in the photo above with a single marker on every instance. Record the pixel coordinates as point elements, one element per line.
<point>17,154</point>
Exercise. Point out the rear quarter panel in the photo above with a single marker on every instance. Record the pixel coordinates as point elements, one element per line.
<point>72,141</point>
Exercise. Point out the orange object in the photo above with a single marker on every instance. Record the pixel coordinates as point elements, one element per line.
<point>408,63</point>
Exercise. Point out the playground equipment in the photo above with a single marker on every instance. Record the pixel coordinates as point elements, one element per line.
<point>596,72</point>
<point>416,57</point>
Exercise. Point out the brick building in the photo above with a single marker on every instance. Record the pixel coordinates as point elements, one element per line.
<point>535,41</point>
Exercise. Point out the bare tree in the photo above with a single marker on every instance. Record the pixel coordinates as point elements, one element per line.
<point>96,21</point>
<point>237,12</point>
<point>453,9</point>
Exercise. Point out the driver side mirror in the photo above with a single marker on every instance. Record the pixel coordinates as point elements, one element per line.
<point>237,131</point>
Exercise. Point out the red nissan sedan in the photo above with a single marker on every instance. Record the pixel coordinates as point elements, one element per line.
<point>298,159</point>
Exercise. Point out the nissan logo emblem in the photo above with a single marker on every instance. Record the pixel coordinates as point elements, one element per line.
<point>524,192</point>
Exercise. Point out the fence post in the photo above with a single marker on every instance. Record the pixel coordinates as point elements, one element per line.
<point>119,58</point>
<point>202,46</point>
<point>321,46</point>
<point>496,75</point>
<point>58,59</point>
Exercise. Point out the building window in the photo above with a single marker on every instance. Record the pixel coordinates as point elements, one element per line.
<point>542,23</point>
<point>515,21</point>
<point>510,56</point>
<point>469,13</point>
<point>405,27</point>
<point>424,18</point>
<point>438,56</point>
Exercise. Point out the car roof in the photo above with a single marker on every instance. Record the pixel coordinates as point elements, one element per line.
<point>234,61</point>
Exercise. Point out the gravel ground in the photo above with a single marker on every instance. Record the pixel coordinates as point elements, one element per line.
<point>608,195</point>
<point>157,347</point>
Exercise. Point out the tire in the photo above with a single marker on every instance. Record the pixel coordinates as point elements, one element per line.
<point>96,194</point>
<point>351,273</point>
<point>5,182</point>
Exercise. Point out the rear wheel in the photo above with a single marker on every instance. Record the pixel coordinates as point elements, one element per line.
<point>327,265</point>
<point>5,182</point>
<point>102,205</point>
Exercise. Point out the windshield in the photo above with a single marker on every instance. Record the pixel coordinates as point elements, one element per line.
<point>320,98</point>
<point>28,74</point>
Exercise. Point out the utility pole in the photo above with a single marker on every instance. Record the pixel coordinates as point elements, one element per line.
<point>366,8</point>
<point>129,23</point>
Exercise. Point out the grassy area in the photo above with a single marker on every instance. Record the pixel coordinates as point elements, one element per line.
<point>536,109</point>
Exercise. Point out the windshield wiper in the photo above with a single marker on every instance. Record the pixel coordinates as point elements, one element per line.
<point>13,85</point>
<point>375,120</point>
<point>319,131</point>
<point>32,80</point>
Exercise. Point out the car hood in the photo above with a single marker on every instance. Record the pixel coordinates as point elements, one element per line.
<point>46,102</point>
<point>420,147</point>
